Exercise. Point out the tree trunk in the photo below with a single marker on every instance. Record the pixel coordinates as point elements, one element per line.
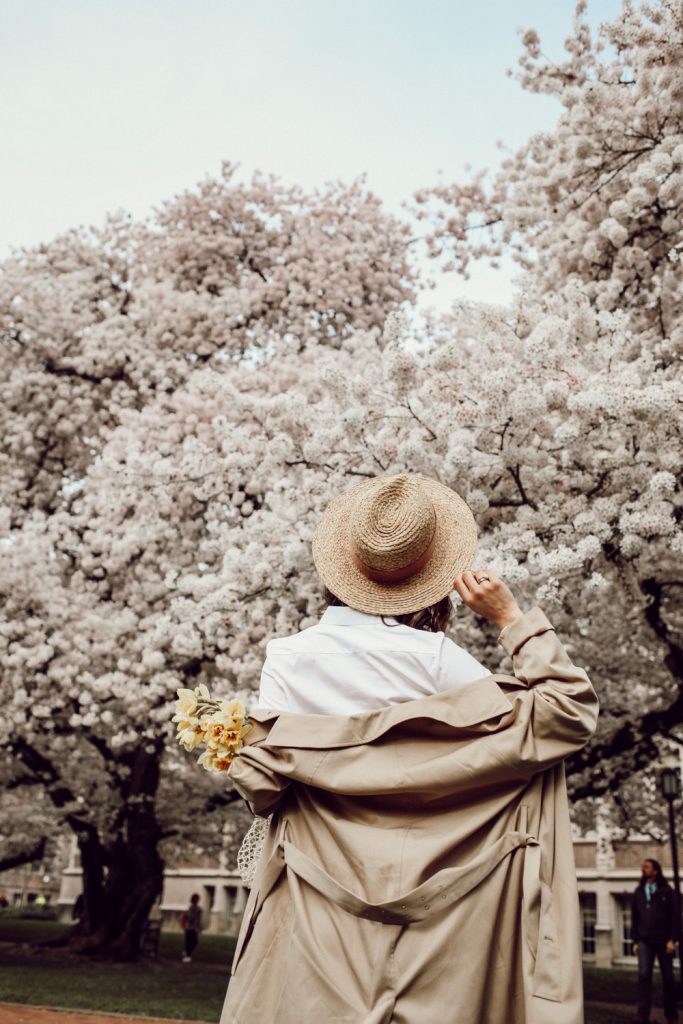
<point>93,867</point>
<point>122,880</point>
<point>133,883</point>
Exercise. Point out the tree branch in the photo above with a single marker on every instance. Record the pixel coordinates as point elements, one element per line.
<point>634,742</point>
<point>28,856</point>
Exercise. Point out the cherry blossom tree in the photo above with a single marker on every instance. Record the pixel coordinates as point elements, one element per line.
<point>102,329</point>
<point>599,199</point>
<point>596,205</point>
<point>100,321</point>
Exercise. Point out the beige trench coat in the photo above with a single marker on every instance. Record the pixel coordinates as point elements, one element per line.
<point>419,867</point>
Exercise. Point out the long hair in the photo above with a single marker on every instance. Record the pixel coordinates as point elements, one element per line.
<point>433,619</point>
<point>658,868</point>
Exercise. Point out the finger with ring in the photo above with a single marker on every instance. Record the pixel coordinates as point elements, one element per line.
<point>469,578</point>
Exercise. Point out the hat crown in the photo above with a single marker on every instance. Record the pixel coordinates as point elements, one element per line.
<point>393,522</point>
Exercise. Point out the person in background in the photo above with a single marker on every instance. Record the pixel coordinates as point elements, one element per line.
<point>192,923</point>
<point>655,933</point>
<point>78,908</point>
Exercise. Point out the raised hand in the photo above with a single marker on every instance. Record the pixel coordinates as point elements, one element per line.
<point>489,597</point>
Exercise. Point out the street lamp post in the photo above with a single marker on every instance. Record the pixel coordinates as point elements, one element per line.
<point>670,782</point>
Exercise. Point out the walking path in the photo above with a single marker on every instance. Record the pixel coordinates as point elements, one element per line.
<point>10,1013</point>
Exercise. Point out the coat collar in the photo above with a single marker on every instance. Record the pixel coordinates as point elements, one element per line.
<point>341,615</point>
<point>462,707</point>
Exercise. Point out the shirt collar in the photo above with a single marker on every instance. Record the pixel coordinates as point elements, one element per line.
<point>340,615</point>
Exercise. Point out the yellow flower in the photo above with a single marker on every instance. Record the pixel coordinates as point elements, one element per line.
<point>225,725</point>
<point>233,709</point>
<point>186,703</point>
<point>221,725</point>
<point>219,733</point>
<point>189,738</point>
<point>221,718</point>
<point>184,721</point>
<point>215,760</point>
<point>223,763</point>
<point>206,760</point>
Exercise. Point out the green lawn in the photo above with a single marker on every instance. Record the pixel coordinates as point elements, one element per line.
<point>607,1016</point>
<point>617,985</point>
<point>610,986</point>
<point>164,988</point>
<point>212,949</point>
<point>15,929</point>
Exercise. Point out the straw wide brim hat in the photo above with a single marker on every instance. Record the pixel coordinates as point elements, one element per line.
<point>394,544</point>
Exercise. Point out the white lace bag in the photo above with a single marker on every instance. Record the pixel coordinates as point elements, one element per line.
<point>250,850</point>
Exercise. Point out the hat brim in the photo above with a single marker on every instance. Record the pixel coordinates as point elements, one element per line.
<point>454,549</point>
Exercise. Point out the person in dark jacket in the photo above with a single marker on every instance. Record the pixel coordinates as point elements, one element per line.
<point>192,923</point>
<point>655,932</point>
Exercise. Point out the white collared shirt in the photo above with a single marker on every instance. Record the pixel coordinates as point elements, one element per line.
<point>352,662</point>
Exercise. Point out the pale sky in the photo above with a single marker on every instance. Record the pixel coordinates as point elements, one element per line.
<point>112,104</point>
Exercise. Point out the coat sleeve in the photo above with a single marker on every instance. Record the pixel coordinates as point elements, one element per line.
<point>255,776</point>
<point>555,711</point>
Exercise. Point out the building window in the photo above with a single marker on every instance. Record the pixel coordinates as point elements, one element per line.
<point>625,922</point>
<point>588,919</point>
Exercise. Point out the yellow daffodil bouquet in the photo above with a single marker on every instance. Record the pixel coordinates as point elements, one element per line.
<point>219,725</point>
